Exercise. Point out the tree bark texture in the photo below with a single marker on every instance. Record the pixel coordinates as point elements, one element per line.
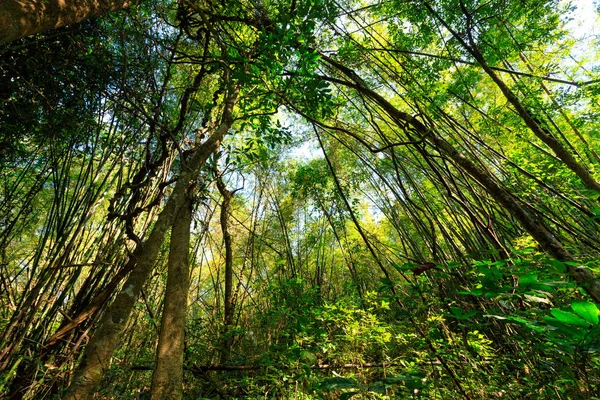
<point>167,379</point>
<point>20,18</point>
<point>98,352</point>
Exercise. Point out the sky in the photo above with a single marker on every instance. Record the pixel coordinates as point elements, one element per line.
<point>586,15</point>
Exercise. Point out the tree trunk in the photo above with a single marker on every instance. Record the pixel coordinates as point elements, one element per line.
<point>20,18</point>
<point>561,152</point>
<point>228,298</point>
<point>99,351</point>
<point>167,379</point>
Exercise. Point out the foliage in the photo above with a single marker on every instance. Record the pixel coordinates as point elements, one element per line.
<point>408,217</point>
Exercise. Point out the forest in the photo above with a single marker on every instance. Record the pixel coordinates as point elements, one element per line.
<point>299,199</point>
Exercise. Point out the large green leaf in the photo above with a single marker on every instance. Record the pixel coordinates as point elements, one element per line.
<point>528,279</point>
<point>569,318</point>
<point>459,313</point>
<point>575,333</point>
<point>586,310</point>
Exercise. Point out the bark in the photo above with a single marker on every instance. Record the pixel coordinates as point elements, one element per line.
<point>98,352</point>
<point>228,300</point>
<point>533,225</point>
<point>167,379</point>
<point>20,18</point>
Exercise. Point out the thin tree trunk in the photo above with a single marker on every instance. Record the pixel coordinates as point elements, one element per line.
<point>167,379</point>
<point>557,147</point>
<point>561,152</point>
<point>499,193</point>
<point>562,112</point>
<point>20,18</point>
<point>228,297</point>
<point>99,351</point>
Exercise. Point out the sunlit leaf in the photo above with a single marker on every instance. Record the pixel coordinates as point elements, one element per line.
<point>586,310</point>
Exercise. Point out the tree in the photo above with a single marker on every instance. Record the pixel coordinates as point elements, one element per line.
<point>99,351</point>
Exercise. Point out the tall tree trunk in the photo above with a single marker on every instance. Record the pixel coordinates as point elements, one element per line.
<point>167,379</point>
<point>20,18</point>
<point>228,298</point>
<point>98,352</point>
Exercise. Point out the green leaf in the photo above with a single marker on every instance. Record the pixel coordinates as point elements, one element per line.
<point>338,382</point>
<point>459,313</point>
<point>492,274</point>
<point>572,264</point>
<point>525,322</point>
<point>386,282</point>
<point>475,292</point>
<point>569,318</point>
<point>568,329</point>
<point>404,267</point>
<point>394,380</point>
<point>558,265</point>
<point>586,310</point>
<point>528,279</point>
<point>308,357</point>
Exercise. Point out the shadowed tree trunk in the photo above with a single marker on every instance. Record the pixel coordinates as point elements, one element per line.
<point>20,18</point>
<point>228,300</point>
<point>167,379</point>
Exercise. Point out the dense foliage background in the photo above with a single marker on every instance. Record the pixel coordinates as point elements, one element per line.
<point>405,203</point>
